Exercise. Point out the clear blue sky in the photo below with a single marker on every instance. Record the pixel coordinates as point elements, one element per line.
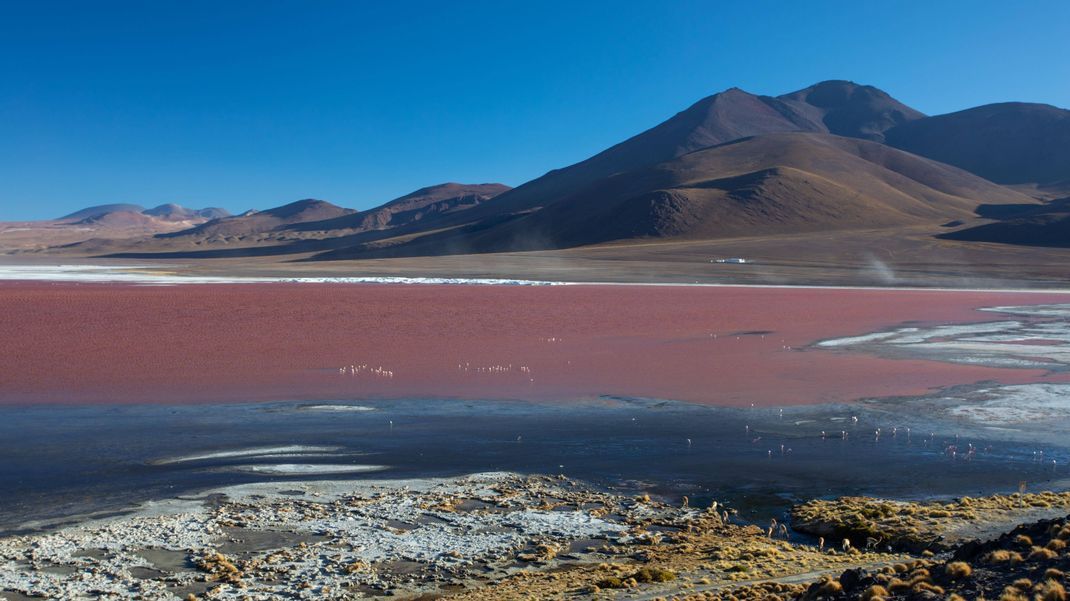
<point>254,104</point>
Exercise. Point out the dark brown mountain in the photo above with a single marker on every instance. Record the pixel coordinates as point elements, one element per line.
<point>839,107</point>
<point>1046,229</point>
<point>1047,224</point>
<point>174,212</point>
<point>1008,143</point>
<point>259,222</point>
<point>303,226</point>
<point>732,164</point>
<point>762,185</point>
<point>848,109</point>
<point>411,208</point>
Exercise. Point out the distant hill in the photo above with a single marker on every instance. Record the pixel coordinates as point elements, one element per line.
<point>762,185</point>
<point>411,208</point>
<point>303,226</point>
<point>100,211</point>
<point>248,224</point>
<point>1047,229</point>
<point>124,212</point>
<point>176,212</point>
<point>1008,143</point>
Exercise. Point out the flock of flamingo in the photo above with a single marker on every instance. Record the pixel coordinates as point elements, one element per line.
<point>364,368</point>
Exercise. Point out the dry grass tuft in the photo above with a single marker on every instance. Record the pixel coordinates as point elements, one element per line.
<point>829,587</point>
<point>1042,553</point>
<point>958,570</point>
<point>874,592</point>
<point>1003,556</point>
<point>1012,594</point>
<point>1050,590</point>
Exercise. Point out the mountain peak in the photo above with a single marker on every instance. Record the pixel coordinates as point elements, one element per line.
<point>303,206</point>
<point>98,211</point>
<point>851,109</point>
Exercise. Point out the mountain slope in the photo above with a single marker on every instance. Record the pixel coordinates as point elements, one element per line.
<point>716,119</point>
<point>100,211</point>
<point>1008,143</point>
<point>174,212</point>
<point>259,222</point>
<point>848,109</point>
<point>1048,229</point>
<point>303,226</point>
<point>409,209</point>
<point>769,184</point>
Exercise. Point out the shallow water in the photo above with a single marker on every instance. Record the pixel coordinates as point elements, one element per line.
<point>61,462</point>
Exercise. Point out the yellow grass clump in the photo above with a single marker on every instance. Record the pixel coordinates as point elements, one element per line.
<point>1050,590</point>
<point>958,570</point>
<point>874,593</point>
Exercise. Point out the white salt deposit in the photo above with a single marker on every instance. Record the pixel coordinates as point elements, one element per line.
<point>297,469</point>
<point>254,452</point>
<point>1011,405</point>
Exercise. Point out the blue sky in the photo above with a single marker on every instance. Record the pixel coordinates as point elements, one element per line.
<point>255,104</point>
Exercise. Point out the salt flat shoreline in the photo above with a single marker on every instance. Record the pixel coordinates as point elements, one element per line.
<point>155,275</point>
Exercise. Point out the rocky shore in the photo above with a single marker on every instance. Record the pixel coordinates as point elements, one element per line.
<point>485,536</point>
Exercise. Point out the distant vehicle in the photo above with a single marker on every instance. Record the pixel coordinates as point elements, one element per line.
<point>735,260</point>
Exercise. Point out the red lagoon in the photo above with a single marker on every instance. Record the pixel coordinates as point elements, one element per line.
<point>103,343</point>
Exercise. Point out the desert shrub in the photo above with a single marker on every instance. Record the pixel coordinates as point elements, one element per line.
<point>922,587</point>
<point>654,575</point>
<point>958,569</point>
<point>1054,574</point>
<point>1022,584</point>
<point>1023,540</point>
<point>1051,591</point>
<point>1012,594</point>
<point>1042,553</point>
<point>874,592</point>
<point>1003,556</point>
<point>896,585</point>
<point>611,582</point>
<point>1056,544</point>
<point>829,587</point>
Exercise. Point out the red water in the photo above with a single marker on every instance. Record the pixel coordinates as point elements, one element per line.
<point>92,343</point>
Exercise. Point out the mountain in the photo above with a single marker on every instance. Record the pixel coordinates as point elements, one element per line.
<point>98,211</point>
<point>762,185</point>
<point>1008,143</point>
<point>839,107</point>
<point>834,156</point>
<point>848,109</point>
<point>1044,229</point>
<point>174,212</point>
<point>121,212</point>
<point>260,222</point>
<point>411,208</point>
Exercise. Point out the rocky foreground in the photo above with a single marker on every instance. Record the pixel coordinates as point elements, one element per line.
<point>503,536</point>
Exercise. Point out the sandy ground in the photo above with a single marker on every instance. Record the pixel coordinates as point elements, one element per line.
<point>727,346</point>
<point>897,257</point>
